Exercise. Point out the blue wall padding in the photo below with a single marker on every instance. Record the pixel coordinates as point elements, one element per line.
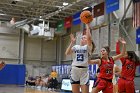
<point>13,74</point>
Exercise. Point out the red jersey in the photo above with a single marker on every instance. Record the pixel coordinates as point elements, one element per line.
<point>128,66</point>
<point>106,69</point>
<point>128,69</point>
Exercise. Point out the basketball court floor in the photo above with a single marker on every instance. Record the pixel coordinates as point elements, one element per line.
<point>25,89</point>
<point>17,89</point>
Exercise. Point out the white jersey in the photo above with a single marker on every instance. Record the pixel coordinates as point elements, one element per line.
<point>80,55</point>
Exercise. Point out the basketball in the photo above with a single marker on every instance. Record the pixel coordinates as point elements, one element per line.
<point>86,17</point>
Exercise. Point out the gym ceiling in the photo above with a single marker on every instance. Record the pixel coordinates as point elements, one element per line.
<point>53,10</point>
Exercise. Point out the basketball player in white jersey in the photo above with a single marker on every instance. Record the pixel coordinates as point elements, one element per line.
<point>79,73</point>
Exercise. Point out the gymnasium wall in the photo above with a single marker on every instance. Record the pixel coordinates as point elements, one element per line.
<point>40,55</point>
<point>132,33</point>
<point>65,44</point>
<point>39,49</point>
<point>37,68</point>
<point>37,52</point>
<point>49,50</point>
<point>9,48</point>
<point>32,48</point>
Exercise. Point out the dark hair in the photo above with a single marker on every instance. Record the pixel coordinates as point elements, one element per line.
<point>93,47</point>
<point>92,50</point>
<point>107,49</point>
<point>98,70</point>
<point>132,55</point>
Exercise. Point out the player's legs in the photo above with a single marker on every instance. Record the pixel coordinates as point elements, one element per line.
<point>109,87</point>
<point>95,90</point>
<point>130,86</point>
<point>84,80</point>
<point>121,85</point>
<point>85,88</point>
<point>115,87</point>
<point>100,84</point>
<point>75,79</point>
<point>75,88</point>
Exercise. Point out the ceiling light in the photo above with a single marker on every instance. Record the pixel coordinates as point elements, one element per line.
<point>65,4</point>
<point>2,14</point>
<point>40,19</point>
<point>18,0</point>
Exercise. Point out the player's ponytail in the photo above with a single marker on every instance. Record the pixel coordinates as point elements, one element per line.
<point>93,47</point>
<point>132,55</point>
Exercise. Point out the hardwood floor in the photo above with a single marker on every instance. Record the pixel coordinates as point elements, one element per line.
<point>29,90</point>
<point>17,89</point>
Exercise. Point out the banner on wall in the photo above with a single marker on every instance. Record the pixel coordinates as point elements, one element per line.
<point>98,10</point>
<point>114,32</point>
<point>62,69</point>
<point>99,17</point>
<point>138,36</point>
<point>60,26</point>
<point>76,18</point>
<point>92,69</point>
<point>54,68</point>
<point>68,22</point>
<point>111,5</point>
<point>65,69</point>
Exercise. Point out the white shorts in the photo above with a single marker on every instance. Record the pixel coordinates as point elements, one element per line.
<point>79,76</point>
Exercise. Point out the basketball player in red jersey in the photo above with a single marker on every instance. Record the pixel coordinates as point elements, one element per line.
<point>129,63</point>
<point>106,63</point>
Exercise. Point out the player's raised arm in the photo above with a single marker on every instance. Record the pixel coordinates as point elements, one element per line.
<point>69,49</point>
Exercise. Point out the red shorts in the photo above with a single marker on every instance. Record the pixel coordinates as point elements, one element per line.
<point>104,85</point>
<point>126,86</point>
